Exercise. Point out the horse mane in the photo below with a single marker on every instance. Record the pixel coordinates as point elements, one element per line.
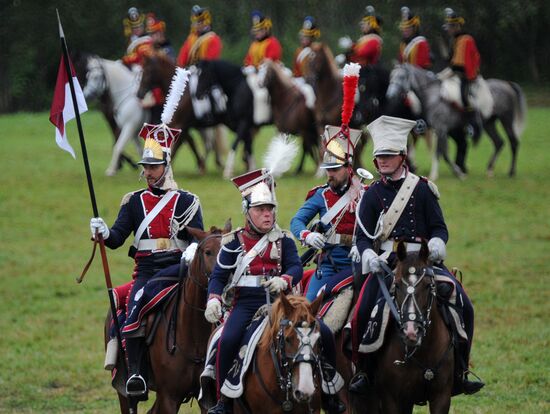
<point>300,312</point>
<point>195,265</point>
<point>329,56</point>
<point>285,80</point>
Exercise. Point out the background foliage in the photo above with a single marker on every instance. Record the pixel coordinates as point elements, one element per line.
<point>511,35</point>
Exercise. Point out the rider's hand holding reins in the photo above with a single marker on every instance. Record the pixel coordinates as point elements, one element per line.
<point>97,223</point>
<point>213,312</point>
<point>315,240</point>
<point>354,254</point>
<point>276,284</point>
<point>371,262</point>
<point>438,250</point>
<point>189,253</point>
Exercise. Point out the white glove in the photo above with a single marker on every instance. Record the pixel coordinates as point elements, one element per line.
<point>371,262</point>
<point>213,312</point>
<point>316,240</point>
<point>354,254</point>
<point>345,43</point>
<point>276,284</point>
<point>438,250</point>
<point>189,253</point>
<point>99,224</point>
<point>148,100</point>
<point>248,70</point>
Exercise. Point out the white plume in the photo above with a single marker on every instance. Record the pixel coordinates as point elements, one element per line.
<point>352,69</point>
<point>280,154</point>
<point>177,87</point>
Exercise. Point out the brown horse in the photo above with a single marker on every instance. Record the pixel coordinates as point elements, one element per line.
<point>158,71</point>
<point>416,363</point>
<point>321,72</point>
<point>290,112</point>
<point>176,362</point>
<point>285,376</point>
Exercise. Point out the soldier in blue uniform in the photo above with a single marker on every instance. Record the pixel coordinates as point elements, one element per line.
<point>251,259</point>
<point>158,216</point>
<point>420,218</point>
<point>335,204</point>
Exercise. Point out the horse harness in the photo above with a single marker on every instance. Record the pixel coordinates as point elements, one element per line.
<point>284,362</point>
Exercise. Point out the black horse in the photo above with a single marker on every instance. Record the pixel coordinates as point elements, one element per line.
<point>232,104</point>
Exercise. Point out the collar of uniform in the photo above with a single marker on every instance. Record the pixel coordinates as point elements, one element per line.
<point>342,190</point>
<point>388,180</point>
<point>157,191</point>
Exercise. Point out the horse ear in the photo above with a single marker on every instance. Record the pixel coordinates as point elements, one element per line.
<point>227,226</point>
<point>196,233</point>
<point>287,306</point>
<point>424,251</point>
<point>316,304</point>
<point>401,251</point>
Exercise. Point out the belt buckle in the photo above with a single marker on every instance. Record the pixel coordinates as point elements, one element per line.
<point>163,244</point>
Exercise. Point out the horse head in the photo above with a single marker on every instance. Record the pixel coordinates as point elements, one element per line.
<point>400,83</point>
<point>295,334</point>
<point>319,64</point>
<point>206,77</point>
<point>414,293</point>
<point>90,73</point>
<point>207,251</point>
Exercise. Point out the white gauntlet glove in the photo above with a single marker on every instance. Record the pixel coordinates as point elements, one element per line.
<point>213,312</point>
<point>345,43</point>
<point>189,253</point>
<point>354,254</point>
<point>276,284</point>
<point>371,262</point>
<point>99,224</point>
<point>315,240</point>
<point>438,250</point>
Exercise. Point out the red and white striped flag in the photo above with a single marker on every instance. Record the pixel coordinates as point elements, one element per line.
<point>62,110</point>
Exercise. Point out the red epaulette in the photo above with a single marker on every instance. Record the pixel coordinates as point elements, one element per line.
<point>314,190</point>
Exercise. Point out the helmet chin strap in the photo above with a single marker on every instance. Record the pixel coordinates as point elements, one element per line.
<point>160,181</point>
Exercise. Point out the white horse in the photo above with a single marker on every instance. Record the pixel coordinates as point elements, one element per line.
<point>121,83</point>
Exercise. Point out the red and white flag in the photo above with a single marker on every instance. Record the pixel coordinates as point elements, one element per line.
<point>62,110</point>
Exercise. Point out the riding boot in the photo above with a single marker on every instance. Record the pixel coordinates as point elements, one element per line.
<point>136,384</point>
<point>359,384</point>
<point>462,384</point>
<point>332,404</point>
<point>475,124</point>
<point>224,406</point>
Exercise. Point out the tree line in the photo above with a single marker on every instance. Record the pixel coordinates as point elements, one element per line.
<point>511,35</point>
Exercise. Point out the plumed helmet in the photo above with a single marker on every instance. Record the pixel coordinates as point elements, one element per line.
<point>201,15</point>
<point>373,20</point>
<point>158,143</point>
<point>134,20</point>
<point>452,17</point>
<point>408,19</point>
<point>309,28</point>
<point>257,188</point>
<point>260,22</point>
<point>389,135</point>
<point>154,24</point>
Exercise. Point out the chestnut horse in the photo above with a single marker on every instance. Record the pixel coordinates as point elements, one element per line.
<point>415,364</point>
<point>176,360</point>
<point>288,106</point>
<point>285,374</point>
<point>321,72</point>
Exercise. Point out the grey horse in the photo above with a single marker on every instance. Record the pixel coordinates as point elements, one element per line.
<point>447,120</point>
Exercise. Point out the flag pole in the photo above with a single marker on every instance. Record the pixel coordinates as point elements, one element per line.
<point>98,236</point>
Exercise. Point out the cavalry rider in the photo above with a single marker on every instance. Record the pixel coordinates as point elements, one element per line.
<point>465,62</point>
<point>202,43</point>
<point>414,48</point>
<point>156,28</point>
<point>134,24</point>
<point>368,48</point>
<point>309,33</point>
<point>264,45</point>
<point>252,259</point>
<point>401,206</point>
<point>158,216</point>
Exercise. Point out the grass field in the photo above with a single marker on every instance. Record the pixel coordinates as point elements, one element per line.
<point>51,342</point>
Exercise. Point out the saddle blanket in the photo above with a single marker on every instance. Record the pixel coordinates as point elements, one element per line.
<point>481,98</point>
<point>233,385</point>
<point>337,299</point>
<point>372,330</point>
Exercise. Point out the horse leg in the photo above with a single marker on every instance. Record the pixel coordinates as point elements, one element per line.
<point>461,148</point>
<point>498,143</point>
<point>200,160</point>
<point>411,152</point>
<point>441,404</point>
<point>125,134</point>
<point>514,144</point>
<point>442,150</point>
<point>230,162</point>
<point>220,144</point>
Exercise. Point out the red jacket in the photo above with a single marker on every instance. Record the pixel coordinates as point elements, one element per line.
<point>367,50</point>
<point>268,48</point>
<point>416,52</point>
<point>207,46</point>
<point>466,56</point>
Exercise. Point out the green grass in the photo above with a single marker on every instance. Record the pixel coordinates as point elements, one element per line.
<point>51,328</point>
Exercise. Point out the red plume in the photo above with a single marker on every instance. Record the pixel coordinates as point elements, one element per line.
<point>349,85</point>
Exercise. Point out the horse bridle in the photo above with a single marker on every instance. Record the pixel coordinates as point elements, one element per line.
<point>94,70</point>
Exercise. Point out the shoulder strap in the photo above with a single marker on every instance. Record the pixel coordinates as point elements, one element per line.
<point>398,205</point>
<point>152,214</point>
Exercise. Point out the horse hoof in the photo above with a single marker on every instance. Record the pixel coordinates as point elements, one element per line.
<point>110,172</point>
<point>490,174</point>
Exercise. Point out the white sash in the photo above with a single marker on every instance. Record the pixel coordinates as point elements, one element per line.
<point>336,208</point>
<point>398,205</point>
<point>152,214</point>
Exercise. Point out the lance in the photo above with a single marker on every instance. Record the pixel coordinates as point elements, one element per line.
<point>98,237</point>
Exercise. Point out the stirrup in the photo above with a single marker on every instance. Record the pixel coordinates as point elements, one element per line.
<point>222,407</point>
<point>471,387</point>
<point>136,385</point>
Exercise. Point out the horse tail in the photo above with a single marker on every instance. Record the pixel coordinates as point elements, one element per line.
<point>520,110</point>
